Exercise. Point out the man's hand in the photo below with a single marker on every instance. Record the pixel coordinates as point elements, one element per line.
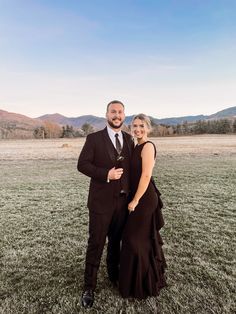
<point>115,174</point>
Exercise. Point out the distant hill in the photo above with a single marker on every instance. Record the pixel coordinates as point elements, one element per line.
<point>226,113</point>
<point>179,120</point>
<point>14,125</point>
<point>56,118</point>
<point>18,119</point>
<point>98,122</point>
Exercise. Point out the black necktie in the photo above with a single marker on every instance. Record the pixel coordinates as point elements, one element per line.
<point>118,144</point>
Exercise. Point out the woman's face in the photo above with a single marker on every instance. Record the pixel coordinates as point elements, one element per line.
<point>139,129</point>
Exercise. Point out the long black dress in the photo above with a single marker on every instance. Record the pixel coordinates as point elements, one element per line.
<point>142,262</point>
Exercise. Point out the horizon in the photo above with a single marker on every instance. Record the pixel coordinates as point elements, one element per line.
<point>126,115</point>
<point>172,58</point>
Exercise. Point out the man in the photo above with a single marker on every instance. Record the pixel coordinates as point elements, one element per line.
<point>105,158</point>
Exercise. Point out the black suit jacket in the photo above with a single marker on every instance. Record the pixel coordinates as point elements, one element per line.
<point>96,159</point>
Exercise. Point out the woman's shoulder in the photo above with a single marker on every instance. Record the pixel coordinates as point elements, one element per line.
<point>150,143</point>
<point>149,146</point>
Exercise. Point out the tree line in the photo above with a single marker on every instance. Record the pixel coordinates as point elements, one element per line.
<point>52,130</point>
<point>222,126</point>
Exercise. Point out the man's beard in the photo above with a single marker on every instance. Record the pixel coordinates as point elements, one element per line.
<point>113,125</point>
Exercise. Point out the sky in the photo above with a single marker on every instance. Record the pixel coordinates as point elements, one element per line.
<point>165,58</point>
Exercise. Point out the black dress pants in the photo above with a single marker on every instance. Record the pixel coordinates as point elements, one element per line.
<point>109,225</point>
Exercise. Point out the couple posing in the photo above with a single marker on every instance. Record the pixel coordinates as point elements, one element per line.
<point>125,206</point>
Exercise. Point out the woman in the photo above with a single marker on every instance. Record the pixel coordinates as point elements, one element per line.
<point>142,261</point>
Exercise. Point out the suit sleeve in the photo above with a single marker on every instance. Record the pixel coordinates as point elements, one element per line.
<point>86,161</point>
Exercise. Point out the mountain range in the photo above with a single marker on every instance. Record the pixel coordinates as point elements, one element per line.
<point>98,122</point>
<point>10,122</point>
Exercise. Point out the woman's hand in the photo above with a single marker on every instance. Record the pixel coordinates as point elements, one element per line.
<point>132,205</point>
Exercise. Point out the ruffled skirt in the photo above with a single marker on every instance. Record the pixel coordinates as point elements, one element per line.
<point>142,261</point>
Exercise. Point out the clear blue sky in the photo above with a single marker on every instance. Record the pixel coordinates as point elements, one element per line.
<point>164,58</point>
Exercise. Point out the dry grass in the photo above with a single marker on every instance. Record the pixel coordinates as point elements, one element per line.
<point>70,148</point>
<point>43,228</point>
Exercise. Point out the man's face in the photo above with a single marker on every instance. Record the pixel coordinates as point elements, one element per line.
<point>115,116</point>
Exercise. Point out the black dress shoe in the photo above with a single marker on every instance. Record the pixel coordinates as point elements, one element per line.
<point>87,298</point>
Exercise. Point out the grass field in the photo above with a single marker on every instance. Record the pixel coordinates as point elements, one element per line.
<point>44,223</point>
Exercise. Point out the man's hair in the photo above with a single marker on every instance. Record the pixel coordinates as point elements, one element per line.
<point>115,102</point>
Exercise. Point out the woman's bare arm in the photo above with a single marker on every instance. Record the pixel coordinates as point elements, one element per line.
<point>148,162</point>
